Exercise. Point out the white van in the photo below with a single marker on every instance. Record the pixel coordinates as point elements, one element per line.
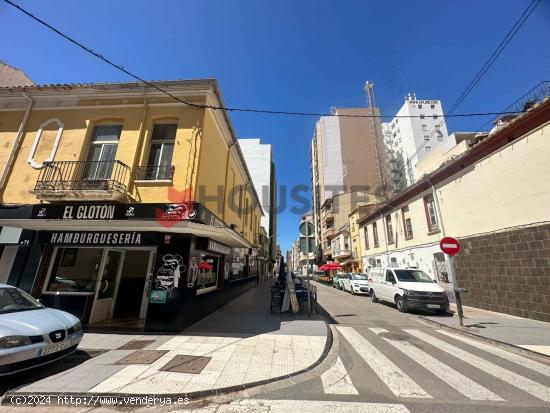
<point>407,288</point>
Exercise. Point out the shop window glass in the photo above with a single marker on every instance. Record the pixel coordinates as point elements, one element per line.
<point>208,271</point>
<point>75,270</point>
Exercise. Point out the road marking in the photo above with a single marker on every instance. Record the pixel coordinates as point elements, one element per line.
<point>539,349</point>
<point>317,406</point>
<point>529,386</point>
<point>336,380</point>
<point>397,381</point>
<point>515,358</point>
<point>453,378</point>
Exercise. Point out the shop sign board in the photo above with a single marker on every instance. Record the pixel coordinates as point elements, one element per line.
<point>99,238</point>
<point>173,212</point>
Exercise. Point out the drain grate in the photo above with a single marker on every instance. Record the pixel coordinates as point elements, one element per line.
<point>136,344</point>
<point>142,357</point>
<point>186,364</point>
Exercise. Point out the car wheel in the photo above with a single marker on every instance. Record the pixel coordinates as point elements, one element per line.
<point>373,296</point>
<point>401,304</point>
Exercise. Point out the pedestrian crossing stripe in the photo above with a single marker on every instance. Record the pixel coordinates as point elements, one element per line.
<point>285,406</point>
<point>523,383</point>
<point>397,381</point>
<point>453,378</point>
<point>507,355</point>
<point>336,380</point>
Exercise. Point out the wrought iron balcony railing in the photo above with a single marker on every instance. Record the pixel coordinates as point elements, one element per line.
<point>155,173</point>
<point>59,177</point>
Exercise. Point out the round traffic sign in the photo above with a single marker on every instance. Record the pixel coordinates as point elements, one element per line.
<point>449,245</point>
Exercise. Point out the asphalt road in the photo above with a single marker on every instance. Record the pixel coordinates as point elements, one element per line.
<point>392,362</point>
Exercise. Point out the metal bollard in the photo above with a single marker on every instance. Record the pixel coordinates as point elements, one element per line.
<point>458,291</point>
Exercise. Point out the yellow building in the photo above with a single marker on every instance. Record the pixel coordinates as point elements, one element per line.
<point>112,188</point>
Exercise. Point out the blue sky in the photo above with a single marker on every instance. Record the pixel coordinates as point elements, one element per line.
<point>292,55</point>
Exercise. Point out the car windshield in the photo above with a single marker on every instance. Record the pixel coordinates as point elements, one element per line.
<point>360,277</point>
<point>12,299</point>
<point>413,276</point>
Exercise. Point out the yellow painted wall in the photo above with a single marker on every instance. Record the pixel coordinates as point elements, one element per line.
<point>356,242</point>
<point>200,154</point>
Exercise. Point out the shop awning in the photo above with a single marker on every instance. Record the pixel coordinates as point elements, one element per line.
<point>224,235</point>
<point>27,217</point>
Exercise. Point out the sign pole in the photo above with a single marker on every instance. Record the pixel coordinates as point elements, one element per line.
<point>451,247</point>
<point>307,272</point>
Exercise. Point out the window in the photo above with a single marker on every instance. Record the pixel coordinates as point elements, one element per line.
<point>102,151</point>
<point>426,137</point>
<point>428,149</point>
<point>389,229</point>
<point>162,149</point>
<point>240,206</point>
<point>424,127</point>
<point>422,116</point>
<point>375,234</point>
<point>431,213</point>
<point>390,277</point>
<point>207,278</point>
<point>435,116</point>
<point>75,270</point>
<point>432,106</point>
<point>439,135</point>
<point>407,224</point>
<point>366,232</point>
<point>419,106</point>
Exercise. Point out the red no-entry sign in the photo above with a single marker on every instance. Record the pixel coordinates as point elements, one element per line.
<point>449,245</point>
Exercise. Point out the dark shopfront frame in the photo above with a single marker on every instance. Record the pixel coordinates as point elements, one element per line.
<point>182,306</point>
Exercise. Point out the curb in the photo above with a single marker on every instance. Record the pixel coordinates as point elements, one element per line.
<point>488,340</point>
<point>11,398</point>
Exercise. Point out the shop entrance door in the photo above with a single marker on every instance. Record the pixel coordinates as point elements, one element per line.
<point>107,285</point>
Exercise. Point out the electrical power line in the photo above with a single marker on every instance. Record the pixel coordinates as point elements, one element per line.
<point>496,53</point>
<point>225,108</point>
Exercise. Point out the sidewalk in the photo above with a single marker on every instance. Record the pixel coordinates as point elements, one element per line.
<point>521,332</point>
<point>237,345</point>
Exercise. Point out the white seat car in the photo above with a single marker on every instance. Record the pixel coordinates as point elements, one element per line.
<point>356,283</point>
<point>31,334</point>
<point>407,288</point>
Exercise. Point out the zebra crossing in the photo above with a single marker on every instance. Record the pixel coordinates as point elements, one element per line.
<point>474,370</point>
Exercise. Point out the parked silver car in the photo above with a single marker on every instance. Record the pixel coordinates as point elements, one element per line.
<point>31,334</point>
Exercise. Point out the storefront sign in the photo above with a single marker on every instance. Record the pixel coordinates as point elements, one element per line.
<point>158,296</point>
<point>97,238</point>
<point>217,247</point>
<point>188,211</point>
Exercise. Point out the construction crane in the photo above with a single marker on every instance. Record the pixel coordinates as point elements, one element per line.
<point>376,135</point>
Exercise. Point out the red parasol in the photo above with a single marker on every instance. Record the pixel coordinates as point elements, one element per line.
<point>205,266</point>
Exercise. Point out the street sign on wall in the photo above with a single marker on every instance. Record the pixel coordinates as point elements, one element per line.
<point>449,245</point>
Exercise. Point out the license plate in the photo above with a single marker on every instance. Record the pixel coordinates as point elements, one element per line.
<point>433,306</point>
<point>53,348</point>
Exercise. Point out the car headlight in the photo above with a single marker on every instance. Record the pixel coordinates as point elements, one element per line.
<point>356,285</point>
<point>77,326</point>
<point>14,341</point>
<point>407,292</point>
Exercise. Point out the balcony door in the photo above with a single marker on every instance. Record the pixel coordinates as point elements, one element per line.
<point>102,151</point>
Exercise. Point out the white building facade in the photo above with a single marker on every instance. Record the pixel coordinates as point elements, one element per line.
<point>415,130</point>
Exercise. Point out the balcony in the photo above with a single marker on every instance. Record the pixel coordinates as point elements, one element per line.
<point>327,252</point>
<point>327,216</point>
<point>83,180</point>
<point>155,173</point>
<point>343,253</point>
<point>329,232</point>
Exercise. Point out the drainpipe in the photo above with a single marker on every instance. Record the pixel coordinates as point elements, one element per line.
<point>386,239</point>
<point>17,143</point>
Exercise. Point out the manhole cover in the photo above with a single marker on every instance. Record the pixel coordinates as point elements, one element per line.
<point>395,336</point>
<point>187,364</point>
<point>142,357</point>
<point>136,344</point>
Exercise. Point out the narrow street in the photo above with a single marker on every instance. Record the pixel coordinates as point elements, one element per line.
<point>399,363</point>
